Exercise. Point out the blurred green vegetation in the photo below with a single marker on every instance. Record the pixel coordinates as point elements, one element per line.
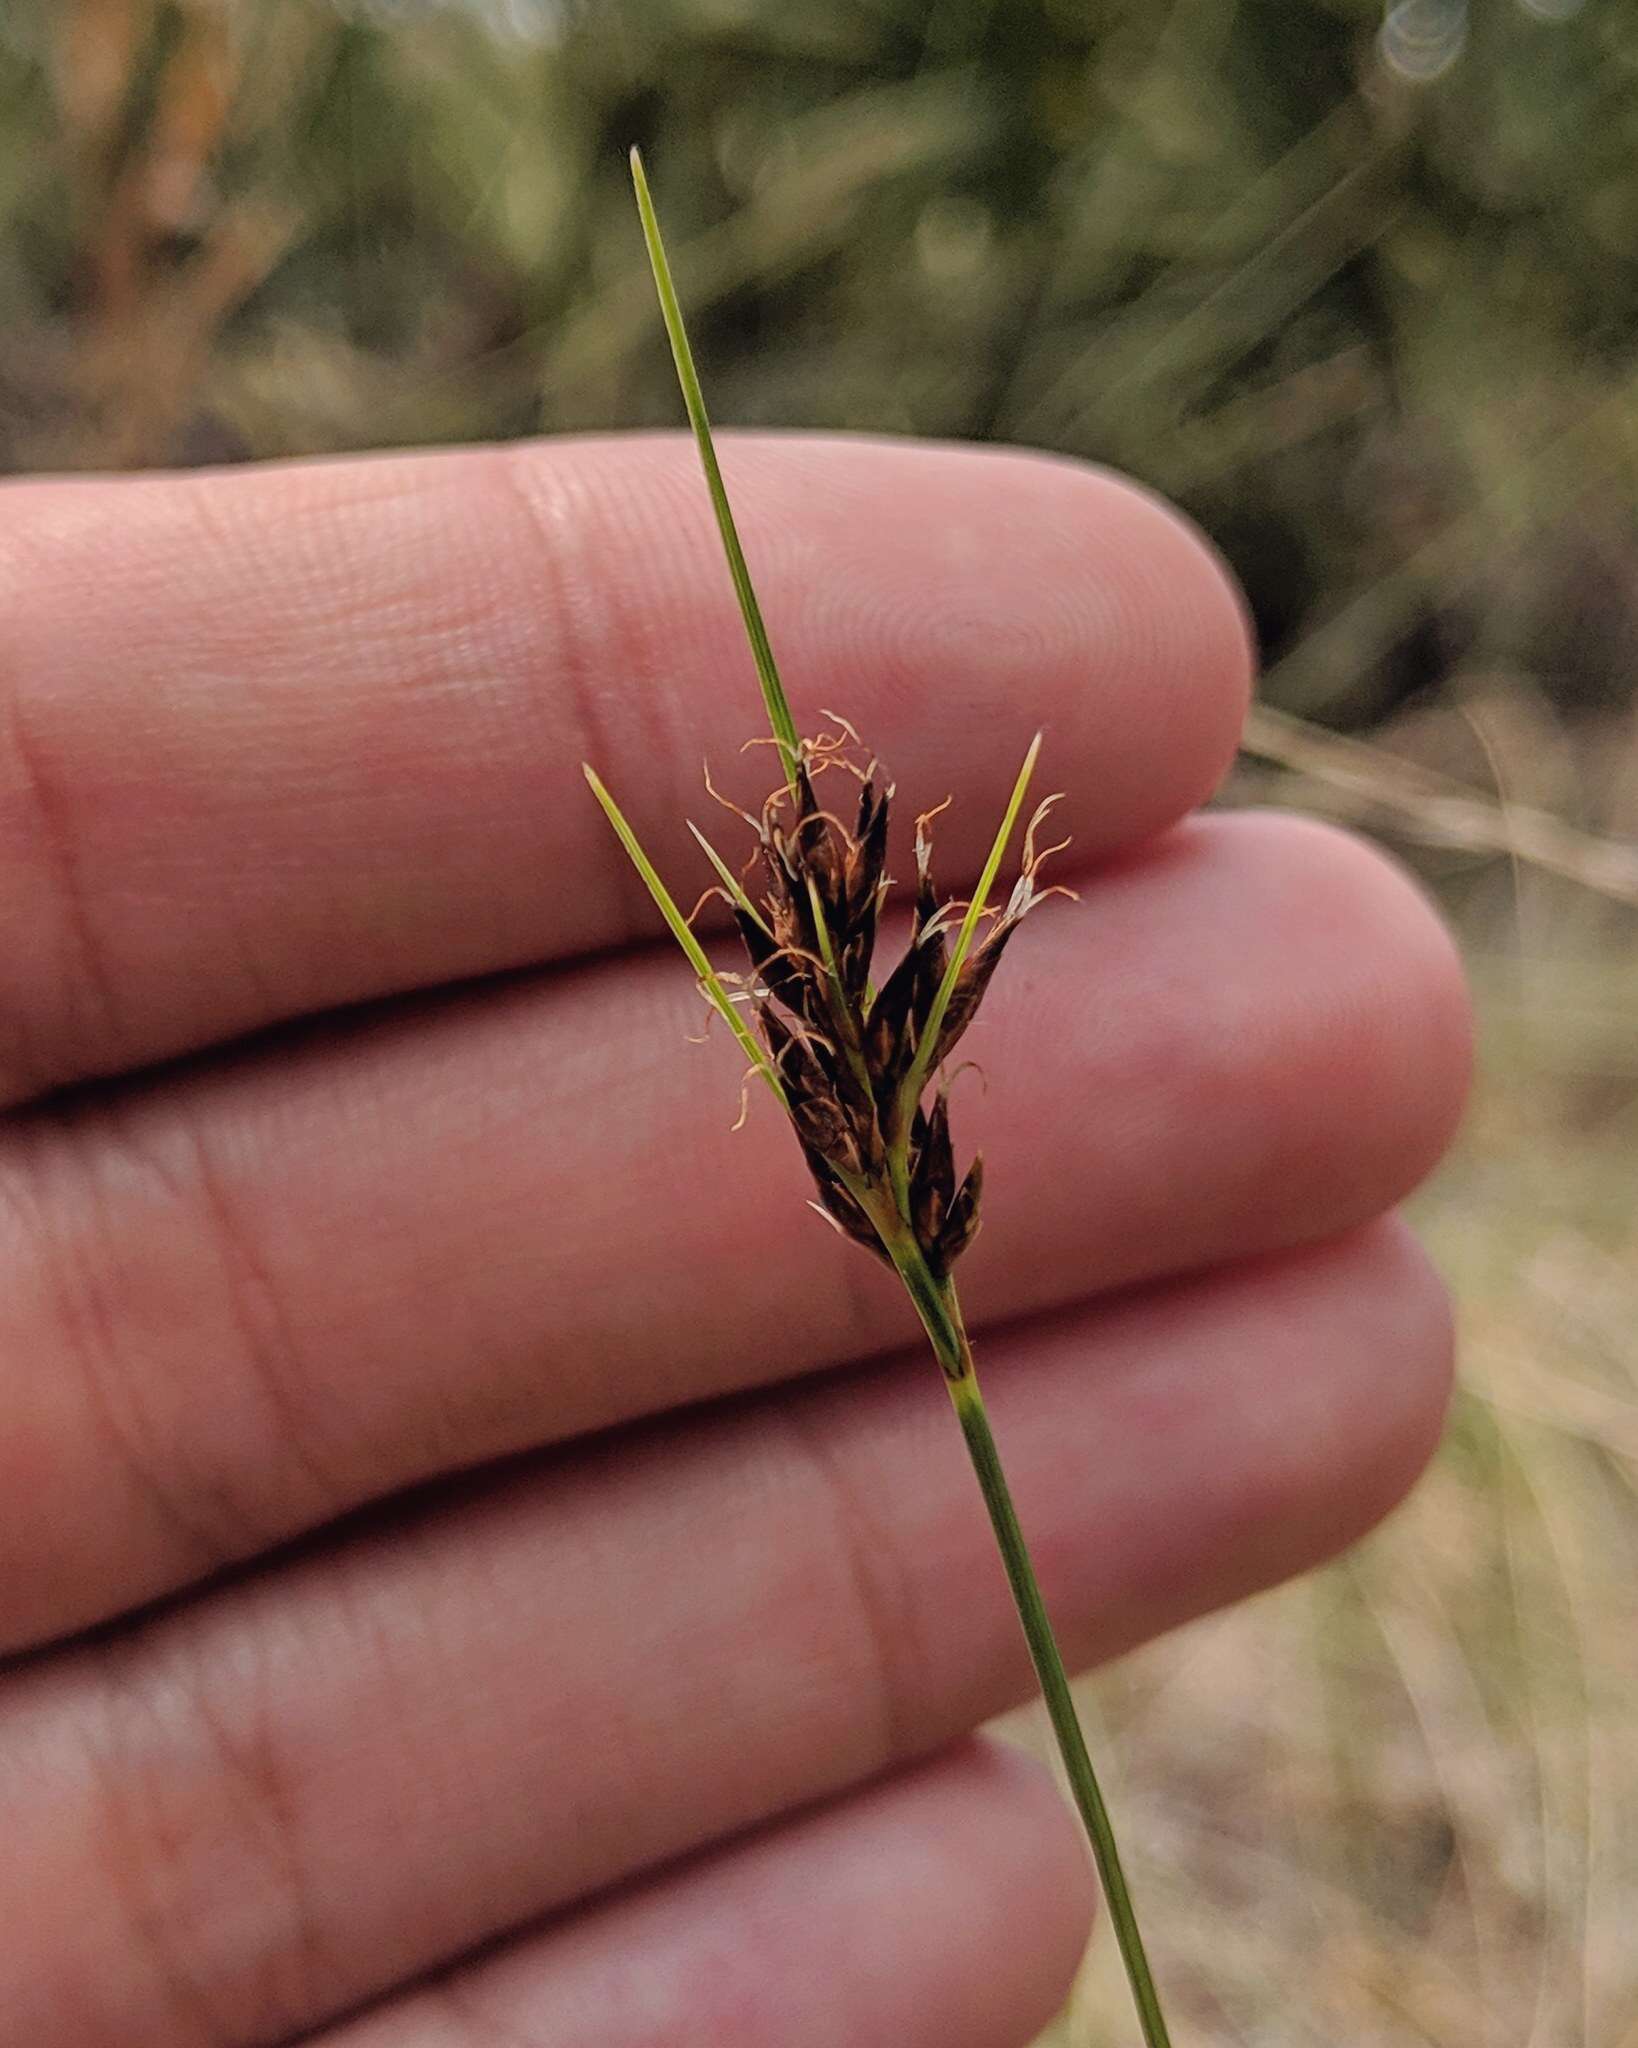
<point>1378,336</point>
<point>1381,337</point>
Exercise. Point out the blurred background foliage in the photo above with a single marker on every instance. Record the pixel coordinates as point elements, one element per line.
<point>1377,337</point>
<point>1358,286</point>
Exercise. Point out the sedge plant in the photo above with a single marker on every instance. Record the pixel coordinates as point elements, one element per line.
<point>857,1067</point>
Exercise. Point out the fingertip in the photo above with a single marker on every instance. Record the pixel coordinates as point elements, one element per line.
<point>1408,987</point>
<point>1027,1831</point>
<point>1192,646</point>
<point>956,598</point>
<point>428,643</point>
<point>1401,1408</point>
<point>1348,1439</point>
<point>1103,611</point>
<point>990,1844</point>
<point>1345,1439</point>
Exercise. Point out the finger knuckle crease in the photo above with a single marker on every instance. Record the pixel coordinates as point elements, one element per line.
<point>188,1757</point>
<point>79,992</point>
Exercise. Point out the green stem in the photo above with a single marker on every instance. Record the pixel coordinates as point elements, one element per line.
<point>767,669</point>
<point>1060,1702</point>
<point>941,1316</point>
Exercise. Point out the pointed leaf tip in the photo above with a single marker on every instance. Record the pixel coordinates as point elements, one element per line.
<point>916,1078</point>
<point>780,721</point>
<point>711,984</point>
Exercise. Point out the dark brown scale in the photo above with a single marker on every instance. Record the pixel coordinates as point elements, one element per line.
<point>905,998</point>
<point>842,1055</point>
<point>805,1063</point>
<point>932,1172</point>
<point>855,966</point>
<point>778,972</point>
<point>887,1029</point>
<point>976,972</point>
<point>961,1225</point>
<point>865,863</point>
<point>840,1205</point>
<point>815,849</point>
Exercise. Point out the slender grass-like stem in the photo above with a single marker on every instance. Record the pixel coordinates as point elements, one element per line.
<point>853,1084</point>
<point>940,1312</point>
<point>1060,1703</point>
<point>767,669</point>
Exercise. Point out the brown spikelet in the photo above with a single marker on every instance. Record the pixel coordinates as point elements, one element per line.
<point>852,1068</point>
<point>851,1059</point>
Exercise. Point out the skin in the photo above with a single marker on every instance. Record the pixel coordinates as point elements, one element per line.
<point>481,1563</point>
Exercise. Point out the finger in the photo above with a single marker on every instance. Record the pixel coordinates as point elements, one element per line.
<point>946,1908</point>
<point>253,1813</point>
<point>237,1306</point>
<point>278,740</point>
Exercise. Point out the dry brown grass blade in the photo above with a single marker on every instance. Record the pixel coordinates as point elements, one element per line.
<point>1435,810</point>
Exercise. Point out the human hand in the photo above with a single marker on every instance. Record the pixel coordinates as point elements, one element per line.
<point>377,1591</point>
